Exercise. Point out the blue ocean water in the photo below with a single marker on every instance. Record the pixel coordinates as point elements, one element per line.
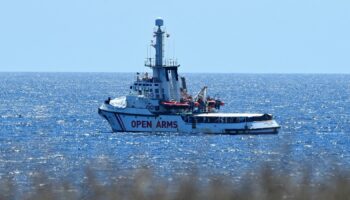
<point>49,123</point>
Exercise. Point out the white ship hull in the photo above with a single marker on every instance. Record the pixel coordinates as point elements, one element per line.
<point>124,121</point>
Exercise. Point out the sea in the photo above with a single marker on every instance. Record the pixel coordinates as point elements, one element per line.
<point>49,124</point>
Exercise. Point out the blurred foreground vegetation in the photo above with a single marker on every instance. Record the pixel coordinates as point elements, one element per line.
<point>266,184</point>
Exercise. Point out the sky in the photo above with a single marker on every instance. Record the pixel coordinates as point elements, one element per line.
<point>221,36</point>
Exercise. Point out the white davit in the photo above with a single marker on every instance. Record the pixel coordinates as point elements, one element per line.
<point>161,103</point>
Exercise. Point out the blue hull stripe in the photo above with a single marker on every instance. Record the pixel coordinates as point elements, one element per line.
<point>120,122</point>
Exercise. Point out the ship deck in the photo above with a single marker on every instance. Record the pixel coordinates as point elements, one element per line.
<point>228,115</point>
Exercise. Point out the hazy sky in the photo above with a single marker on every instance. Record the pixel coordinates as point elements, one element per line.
<point>253,36</point>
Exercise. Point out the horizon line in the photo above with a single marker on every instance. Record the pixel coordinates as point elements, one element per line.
<point>325,73</point>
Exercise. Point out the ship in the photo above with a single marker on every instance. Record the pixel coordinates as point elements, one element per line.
<point>161,103</point>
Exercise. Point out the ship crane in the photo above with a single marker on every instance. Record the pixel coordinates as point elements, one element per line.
<point>202,94</point>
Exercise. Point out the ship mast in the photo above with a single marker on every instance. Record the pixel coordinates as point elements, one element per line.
<point>165,72</point>
<point>159,34</point>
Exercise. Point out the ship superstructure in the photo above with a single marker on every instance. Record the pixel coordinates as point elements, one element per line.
<point>160,103</point>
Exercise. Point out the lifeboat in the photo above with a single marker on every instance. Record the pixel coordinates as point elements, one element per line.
<point>212,103</point>
<point>175,104</point>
